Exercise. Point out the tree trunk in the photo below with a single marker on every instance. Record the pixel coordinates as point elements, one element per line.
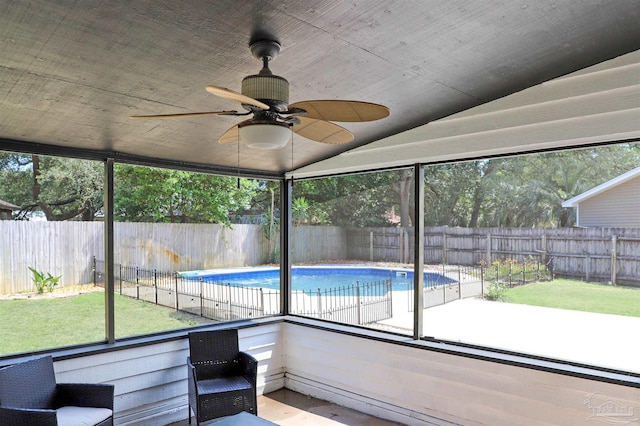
<point>477,203</point>
<point>403,190</point>
<point>35,166</point>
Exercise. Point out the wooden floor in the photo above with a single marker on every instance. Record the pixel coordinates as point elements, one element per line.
<point>288,408</point>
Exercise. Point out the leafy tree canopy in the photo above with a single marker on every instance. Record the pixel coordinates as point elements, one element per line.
<point>353,200</point>
<point>145,194</point>
<point>522,191</point>
<point>62,188</point>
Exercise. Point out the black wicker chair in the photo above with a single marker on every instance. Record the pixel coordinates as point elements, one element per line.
<point>29,395</point>
<point>222,380</point>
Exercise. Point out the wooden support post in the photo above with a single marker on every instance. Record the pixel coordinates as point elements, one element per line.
<point>614,260</point>
<point>488,248</point>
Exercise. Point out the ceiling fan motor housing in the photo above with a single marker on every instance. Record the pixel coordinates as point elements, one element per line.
<point>268,88</point>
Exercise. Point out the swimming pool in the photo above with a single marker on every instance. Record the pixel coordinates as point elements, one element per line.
<point>313,278</point>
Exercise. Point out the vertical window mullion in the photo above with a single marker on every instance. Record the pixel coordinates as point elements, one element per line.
<point>418,255</point>
<point>109,252</point>
<point>286,191</point>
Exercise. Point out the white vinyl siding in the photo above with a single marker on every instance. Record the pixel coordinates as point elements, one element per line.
<point>618,207</point>
<point>151,381</point>
<point>391,378</point>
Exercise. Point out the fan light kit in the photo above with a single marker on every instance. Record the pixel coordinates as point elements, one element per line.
<point>266,96</point>
<point>265,136</point>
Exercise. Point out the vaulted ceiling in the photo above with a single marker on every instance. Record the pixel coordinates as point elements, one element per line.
<point>72,72</point>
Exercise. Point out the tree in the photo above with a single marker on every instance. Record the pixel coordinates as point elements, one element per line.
<point>146,194</point>
<point>448,194</point>
<point>62,188</point>
<point>403,188</point>
<point>355,200</point>
<point>520,191</point>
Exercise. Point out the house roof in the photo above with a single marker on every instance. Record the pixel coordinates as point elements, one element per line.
<point>625,177</point>
<point>8,206</point>
<point>72,73</point>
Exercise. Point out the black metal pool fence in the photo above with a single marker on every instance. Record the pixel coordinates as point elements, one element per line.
<point>360,303</point>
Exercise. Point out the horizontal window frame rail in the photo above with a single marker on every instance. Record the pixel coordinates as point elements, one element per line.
<point>567,368</point>
<point>37,148</point>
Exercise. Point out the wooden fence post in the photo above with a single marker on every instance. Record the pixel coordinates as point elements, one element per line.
<point>444,246</point>
<point>587,267</point>
<point>614,260</point>
<point>371,246</point>
<point>488,248</point>
<point>406,246</point>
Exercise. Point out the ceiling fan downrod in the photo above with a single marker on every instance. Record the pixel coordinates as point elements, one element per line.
<point>266,87</point>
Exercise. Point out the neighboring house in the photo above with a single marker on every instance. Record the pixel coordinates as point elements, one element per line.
<point>6,209</point>
<point>614,204</point>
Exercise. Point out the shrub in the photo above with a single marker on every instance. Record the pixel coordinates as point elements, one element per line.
<point>496,291</point>
<point>44,281</point>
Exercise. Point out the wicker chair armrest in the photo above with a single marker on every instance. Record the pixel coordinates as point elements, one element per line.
<point>193,375</point>
<point>250,367</point>
<point>85,395</point>
<point>28,417</point>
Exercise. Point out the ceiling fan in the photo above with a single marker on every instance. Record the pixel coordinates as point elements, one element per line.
<point>266,97</point>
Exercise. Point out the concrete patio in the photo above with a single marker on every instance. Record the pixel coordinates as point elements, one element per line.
<point>601,340</point>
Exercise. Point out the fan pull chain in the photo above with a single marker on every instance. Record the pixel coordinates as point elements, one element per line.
<point>238,157</point>
<point>292,155</point>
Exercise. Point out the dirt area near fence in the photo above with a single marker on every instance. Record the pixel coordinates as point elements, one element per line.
<point>65,291</point>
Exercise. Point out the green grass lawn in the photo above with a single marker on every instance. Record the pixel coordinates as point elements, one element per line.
<point>28,325</point>
<point>578,296</point>
<point>34,324</point>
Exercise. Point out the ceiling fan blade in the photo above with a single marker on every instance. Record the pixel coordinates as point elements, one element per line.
<point>230,136</point>
<point>322,131</point>
<point>187,114</point>
<point>235,96</point>
<point>336,110</point>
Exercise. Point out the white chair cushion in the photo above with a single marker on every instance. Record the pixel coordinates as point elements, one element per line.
<point>81,416</point>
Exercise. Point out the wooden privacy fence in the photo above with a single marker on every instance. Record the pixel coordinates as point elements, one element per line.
<point>593,254</point>
<point>67,248</point>
<point>58,248</point>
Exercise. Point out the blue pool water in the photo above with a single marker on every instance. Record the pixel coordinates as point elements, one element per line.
<point>318,278</point>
